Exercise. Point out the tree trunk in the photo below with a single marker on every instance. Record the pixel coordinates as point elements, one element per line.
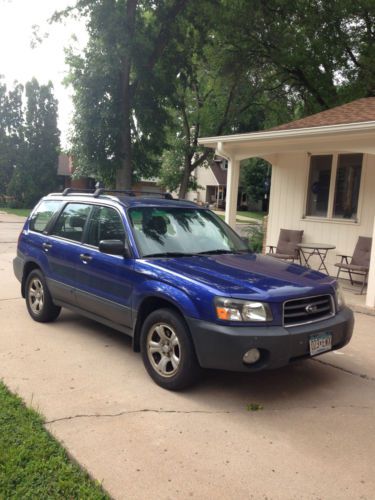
<point>124,173</point>
<point>185,179</point>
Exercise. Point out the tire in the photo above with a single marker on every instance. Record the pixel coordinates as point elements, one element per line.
<point>38,299</point>
<point>167,350</point>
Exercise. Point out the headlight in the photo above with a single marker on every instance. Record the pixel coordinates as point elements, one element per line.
<point>339,297</point>
<point>241,310</point>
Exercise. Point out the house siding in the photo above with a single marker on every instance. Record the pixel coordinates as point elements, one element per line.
<point>287,207</point>
<point>205,177</point>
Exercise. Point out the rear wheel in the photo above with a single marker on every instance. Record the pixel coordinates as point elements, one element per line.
<point>167,350</point>
<point>38,299</point>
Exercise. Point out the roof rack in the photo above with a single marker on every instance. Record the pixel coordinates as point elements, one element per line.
<point>128,192</point>
<point>131,192</point>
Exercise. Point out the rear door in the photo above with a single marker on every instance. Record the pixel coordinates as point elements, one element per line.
<point>105,281</point>
<point>63,248</point>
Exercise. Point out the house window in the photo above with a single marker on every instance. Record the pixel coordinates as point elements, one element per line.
<point>334,184</point>
<point>319,182</point>
<point>348,178</point>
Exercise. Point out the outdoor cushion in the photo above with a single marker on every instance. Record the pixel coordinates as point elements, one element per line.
<point>283,256</point>
<point>362,252</point>
<point>352,267</point>
<point>288,240</point>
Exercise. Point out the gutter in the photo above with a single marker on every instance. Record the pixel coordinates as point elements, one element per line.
<point>217,141</point>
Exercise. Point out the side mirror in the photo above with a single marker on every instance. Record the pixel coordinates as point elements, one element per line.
<point>114,247</point>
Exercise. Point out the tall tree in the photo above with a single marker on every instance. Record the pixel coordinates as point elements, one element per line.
<point>119,86</point>
<point>11,133</point>
<point>36,173</point>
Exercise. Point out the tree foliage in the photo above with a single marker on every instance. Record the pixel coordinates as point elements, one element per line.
<point>156,75</point>
<point>255,174</point>
<point>11,133</point>
<point>120,86</point>
<point>29,142</point>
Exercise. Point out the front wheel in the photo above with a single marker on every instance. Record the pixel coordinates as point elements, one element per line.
<point>167,350</point>
<point>38,299</point>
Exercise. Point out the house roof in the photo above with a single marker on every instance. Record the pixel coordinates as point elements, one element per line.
<point>219,173</point>
<point>350,127</point>
<point>360,110</point>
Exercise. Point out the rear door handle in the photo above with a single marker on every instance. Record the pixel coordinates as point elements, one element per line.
<point>85,257</point>
<point>47,246</point>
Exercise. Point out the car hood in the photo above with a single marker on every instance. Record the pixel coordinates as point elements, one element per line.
<point>243,275</point>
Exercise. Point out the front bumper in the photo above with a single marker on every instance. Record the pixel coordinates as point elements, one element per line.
<point>223,347</point>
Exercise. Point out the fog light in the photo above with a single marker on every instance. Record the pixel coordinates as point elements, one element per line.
<point>251,356</point>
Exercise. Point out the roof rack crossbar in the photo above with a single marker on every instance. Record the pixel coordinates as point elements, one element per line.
<point>129,192</point>
<point>132,192</point>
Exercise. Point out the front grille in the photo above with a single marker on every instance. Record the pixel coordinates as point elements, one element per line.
<point>308,310</point>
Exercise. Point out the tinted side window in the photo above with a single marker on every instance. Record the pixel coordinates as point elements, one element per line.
<point>43,215</point>
<point>105,224</point>
<point>71,221</point>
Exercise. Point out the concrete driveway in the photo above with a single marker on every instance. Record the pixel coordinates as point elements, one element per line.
<point>313,439</point>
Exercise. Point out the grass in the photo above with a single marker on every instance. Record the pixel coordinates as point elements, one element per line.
<point>23,212</point>
<point>32,462</point>
<point>252,215</point>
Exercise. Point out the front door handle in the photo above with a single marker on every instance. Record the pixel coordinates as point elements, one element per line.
<point>47,246</point>
<point>85,257</point>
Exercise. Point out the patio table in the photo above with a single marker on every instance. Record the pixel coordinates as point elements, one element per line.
<point>307,250</point>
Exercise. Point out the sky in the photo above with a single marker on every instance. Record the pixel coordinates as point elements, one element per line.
<point>19,61</point>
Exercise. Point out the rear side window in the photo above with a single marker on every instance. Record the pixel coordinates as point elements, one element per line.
<point>71,221</point>
<point>43,214</point>
<point>105,224</point>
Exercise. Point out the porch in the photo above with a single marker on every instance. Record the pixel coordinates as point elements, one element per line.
<point>315,161</point>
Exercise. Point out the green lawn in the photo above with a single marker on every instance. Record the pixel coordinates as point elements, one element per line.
<point>32,463</point>
<point>252,215</point>
<point>24,212</point>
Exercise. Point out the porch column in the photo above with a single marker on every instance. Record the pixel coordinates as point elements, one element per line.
<point>370,296</point>
<point>233,177</point>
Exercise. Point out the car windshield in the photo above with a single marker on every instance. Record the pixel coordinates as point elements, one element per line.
<point>174,232</point>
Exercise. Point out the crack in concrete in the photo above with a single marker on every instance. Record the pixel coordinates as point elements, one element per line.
<point>129,412</point>
<point>205,412</point>
<point>11,298</point>
<point>345,370</point>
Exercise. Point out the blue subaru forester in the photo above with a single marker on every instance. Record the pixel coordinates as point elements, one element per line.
<point>179,281</point>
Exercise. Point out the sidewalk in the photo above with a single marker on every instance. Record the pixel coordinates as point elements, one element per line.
<point>316,418</point>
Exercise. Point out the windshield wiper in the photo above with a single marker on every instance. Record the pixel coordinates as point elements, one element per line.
<point>169,254</point>
<point>217,252</point>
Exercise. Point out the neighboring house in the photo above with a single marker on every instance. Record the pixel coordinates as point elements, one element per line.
<point>65,171</point>
<point>149,185</point>
<point>323,177</point>
<point>212,187</point>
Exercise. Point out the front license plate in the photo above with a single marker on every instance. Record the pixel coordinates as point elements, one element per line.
<point>320,343</point>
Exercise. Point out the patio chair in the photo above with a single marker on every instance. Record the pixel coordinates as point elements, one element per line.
<point>287,245</point>
<point>359,263</point>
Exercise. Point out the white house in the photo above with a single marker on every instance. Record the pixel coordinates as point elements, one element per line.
<point>212,187</point>
<point>323,177</point>
<point>211,181</point>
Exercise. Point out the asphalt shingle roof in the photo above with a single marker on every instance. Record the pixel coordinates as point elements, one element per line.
<point>360,110</point>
